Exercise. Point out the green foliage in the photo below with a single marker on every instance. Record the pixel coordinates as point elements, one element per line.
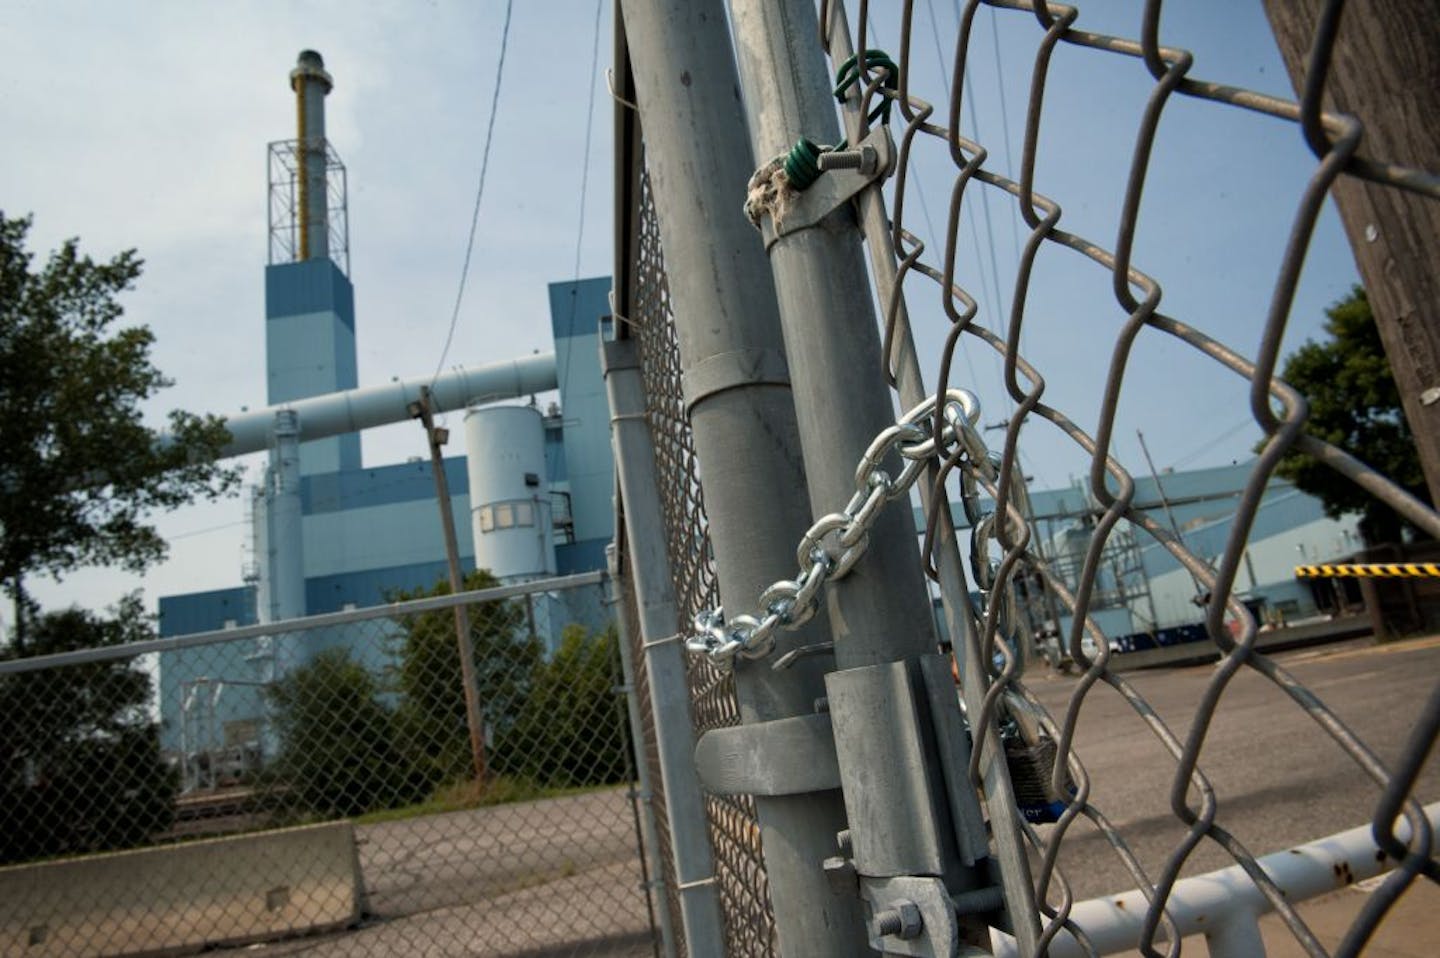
<point>338,754</point>
<point>79,470</point>
<point>1355,405</point>
<point>65,730</point>
<point>551,724</point>
<point>432,717</point>
<point>572,731</point>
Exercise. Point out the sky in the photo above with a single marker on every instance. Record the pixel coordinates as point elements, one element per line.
<point>145,125</point>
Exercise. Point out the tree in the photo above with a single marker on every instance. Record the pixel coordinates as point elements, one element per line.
<point>572,730</point>
<point>432,705</point>
<point>80,765</point>
<point>1355,405</point>
<point>79,470</point>
<point>338,753</point>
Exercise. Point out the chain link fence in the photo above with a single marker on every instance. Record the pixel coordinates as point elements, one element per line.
<point>319,778</point>
<point>734,829</point>
<point>1004,552</point>
<point>1003,547</point>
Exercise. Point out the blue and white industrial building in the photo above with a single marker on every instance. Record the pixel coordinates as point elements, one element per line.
<point>532,493</point>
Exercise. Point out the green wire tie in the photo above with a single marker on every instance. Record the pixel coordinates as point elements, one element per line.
<point>802,166</point>
<point>849,75</point>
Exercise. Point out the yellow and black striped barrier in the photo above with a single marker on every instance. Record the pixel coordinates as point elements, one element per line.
<point>1379,570</point>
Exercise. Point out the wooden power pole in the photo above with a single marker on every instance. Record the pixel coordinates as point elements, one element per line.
<point>1385,70</point>
<point>474,721</point>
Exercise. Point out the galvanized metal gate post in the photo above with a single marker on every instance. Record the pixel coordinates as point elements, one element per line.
<point>1004,817</point>
<point>737,392</point>
<point>914,819</point>
<point>664,657</point>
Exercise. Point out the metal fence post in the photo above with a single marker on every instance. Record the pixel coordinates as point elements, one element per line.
<point>1004,817</point>
<point>737,392</point>
<point>650,845</point>
<point>881,613</point>
<point>664,659</point>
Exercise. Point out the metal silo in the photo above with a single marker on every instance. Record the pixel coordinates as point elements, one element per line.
<point>510,510</point>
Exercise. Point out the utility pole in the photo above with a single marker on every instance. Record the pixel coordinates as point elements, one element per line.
<point>1382,71</point>
<point>466,647</point>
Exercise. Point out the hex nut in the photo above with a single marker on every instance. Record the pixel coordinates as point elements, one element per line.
<point>902,920</point>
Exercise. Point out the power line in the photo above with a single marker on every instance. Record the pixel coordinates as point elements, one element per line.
<point>479,191</point>
<point>1004,126</point>
<point>994,295</point>
<point>584,188</point>
<point>1211,444</point>
<point>589,126</point>
<point>206,531</point>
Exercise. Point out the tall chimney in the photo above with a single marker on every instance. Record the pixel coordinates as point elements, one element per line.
<point>311,85</point>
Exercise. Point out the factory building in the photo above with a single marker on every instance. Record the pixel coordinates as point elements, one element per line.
<point>531,495</point>
<point>1141,590</point>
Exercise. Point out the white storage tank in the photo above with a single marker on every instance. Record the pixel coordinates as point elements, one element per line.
<point>510,511</point>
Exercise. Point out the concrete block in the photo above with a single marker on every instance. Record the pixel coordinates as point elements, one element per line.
<point>180,898</point>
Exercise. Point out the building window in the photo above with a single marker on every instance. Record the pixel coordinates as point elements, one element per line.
<point>507,515</point>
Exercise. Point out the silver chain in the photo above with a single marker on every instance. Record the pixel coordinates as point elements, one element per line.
<point>835,543</point>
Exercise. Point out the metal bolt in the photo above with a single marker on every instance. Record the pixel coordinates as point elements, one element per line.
<point>978,900</point>
<point>866,160</point>
<point>840,875</point>
<point>901,919</point>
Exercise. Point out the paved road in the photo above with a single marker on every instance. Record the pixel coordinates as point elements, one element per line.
<point>1281,780</point>
<point>553,877</point>
<point>560,877</point>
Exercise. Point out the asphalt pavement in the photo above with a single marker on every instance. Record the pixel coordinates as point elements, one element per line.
<point>1280,778</point>
<point>1281,781</point>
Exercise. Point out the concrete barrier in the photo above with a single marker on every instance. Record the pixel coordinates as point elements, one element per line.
<point>179,898</point>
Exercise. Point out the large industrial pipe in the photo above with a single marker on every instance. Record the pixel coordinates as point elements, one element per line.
<point>286,545</point>
<point>352,410</point>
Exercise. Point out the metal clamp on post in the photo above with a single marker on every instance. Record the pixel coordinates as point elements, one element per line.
<point>790,756</point>
<point>778,207</point>
<point>917,836</point>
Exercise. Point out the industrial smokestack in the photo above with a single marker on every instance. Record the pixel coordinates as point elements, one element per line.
<point>311,85</point>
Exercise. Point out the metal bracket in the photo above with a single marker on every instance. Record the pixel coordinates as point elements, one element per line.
<point>894,804</point>
<point>722,371</point>
<point>953,744</point>
<point>893,903</point>
<point>833,190</point>
<point>789,756</point>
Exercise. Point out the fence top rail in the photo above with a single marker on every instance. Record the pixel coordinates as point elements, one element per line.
<point>303,623</point>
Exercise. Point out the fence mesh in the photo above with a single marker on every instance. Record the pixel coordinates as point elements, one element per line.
<point>734,828</point>
<point>1006,554</point>
<point>323,782</point>
<point>1010,550</point>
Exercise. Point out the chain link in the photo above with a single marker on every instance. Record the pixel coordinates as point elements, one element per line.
<point>832,546</point>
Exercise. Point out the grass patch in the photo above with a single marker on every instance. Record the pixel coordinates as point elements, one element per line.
<point>501,790</point>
